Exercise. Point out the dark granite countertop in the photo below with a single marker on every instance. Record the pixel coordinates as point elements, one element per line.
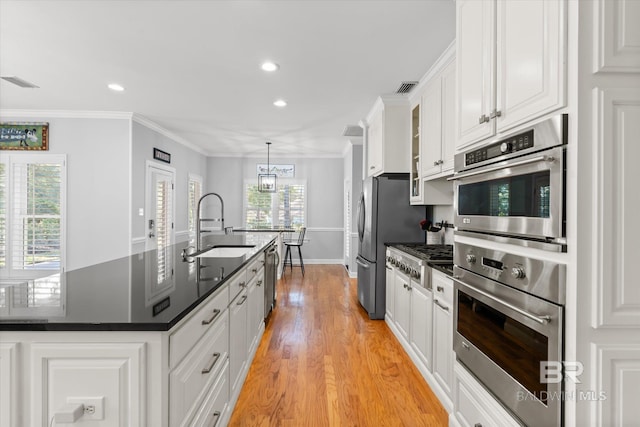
<point>124,294</point>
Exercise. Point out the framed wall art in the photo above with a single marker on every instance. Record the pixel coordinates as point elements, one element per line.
<point>24,136</point>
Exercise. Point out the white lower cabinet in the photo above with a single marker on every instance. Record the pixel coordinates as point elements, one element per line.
<point>8,385</point>
<point>474,406</point>
<point>421,315</point>
<point>402,310</point>
<point>189,382</point>
<point>423,323</point>
<point>390,290</point>
<point>443,354</point>
<point>237,340</point>
<point>190,375</point>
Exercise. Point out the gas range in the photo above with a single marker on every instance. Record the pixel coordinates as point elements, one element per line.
<point>413,259</point>
<point>428,252</point>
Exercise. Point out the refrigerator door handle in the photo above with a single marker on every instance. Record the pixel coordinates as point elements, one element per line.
<point>361,264</point>
<point>361,217</point>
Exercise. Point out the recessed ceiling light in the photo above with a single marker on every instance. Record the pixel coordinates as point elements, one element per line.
<point>115,87</point>
<point>280,103</point>
<point>269,66</point>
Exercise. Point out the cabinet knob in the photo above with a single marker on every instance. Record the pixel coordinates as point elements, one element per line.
<point>436,163</point>
<point>483,119</point>
<point>495,113</point>
<point>477,425</point>
<point>372,167</point>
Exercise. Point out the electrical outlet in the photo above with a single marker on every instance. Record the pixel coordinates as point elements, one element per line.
<point>93,406</point>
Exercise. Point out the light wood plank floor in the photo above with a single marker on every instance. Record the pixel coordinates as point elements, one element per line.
<point>322,362</point>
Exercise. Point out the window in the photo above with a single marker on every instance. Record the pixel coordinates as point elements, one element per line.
<point>195,192</point>
<point>31,214</point>
<point>284,208</point>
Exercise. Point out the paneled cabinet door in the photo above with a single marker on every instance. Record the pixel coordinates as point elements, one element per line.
<point>402,301</point>
<point>8,384</point>
<point>443,344</point>
<point>510,61</point>
<point>237,338</point>
<point>530,60</point>
<point>389,292</point>
<point>421,323</point>
<point>475,69</point>
<point>255,315</point>
<point>431,127</point>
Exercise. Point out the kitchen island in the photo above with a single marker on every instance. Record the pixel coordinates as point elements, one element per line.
<point>158,338</point>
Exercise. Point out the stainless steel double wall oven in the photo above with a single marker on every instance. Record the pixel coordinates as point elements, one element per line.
<point>509,307</point>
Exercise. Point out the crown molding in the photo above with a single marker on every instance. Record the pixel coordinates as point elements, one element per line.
<point>68,114</point>
<point>144,121</point>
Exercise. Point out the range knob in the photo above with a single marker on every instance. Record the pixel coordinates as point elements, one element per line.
<point>518,272</point>
<point>471,258</point>
<point>505,147</point>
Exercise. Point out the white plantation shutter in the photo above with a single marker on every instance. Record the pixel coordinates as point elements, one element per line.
<point>164,227</point>
<point>195,192</point>
<point>33,230</point>
<point>3,219</point>
<point>284,208</point>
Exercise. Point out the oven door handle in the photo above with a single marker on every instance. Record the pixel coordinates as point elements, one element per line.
<point>536,159</point>
<point>540,319</point>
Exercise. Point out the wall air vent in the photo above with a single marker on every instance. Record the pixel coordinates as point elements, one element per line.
<point>352,130</point>
<point>19,82</point>
<point>405,87</point>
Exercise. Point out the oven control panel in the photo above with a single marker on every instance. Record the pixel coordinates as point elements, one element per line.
<point>513,144</point>
<point>543,278</point>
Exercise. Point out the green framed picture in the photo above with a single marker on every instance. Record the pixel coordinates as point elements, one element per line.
<point>24,136</point>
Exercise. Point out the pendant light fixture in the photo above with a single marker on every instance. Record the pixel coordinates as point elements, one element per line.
<point>267,182</point>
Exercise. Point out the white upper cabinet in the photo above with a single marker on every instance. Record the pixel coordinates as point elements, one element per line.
<point>511,64</point>
<point>387,133</point>
<point>438,101</point>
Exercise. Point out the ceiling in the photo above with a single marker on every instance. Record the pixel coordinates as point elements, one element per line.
<point>193,67</point>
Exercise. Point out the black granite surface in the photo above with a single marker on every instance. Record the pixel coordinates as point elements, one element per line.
<point>123,294</point>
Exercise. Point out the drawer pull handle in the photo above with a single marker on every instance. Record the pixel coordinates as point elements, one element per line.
<point>439,288</point>
<point>209,367</point>
<point>259,283</point>
<point>216,313</point>
<point>254,270</point>
<point>242,284</point>
<point>242,300</point>
<point>216,416</point>
<point>477,425</point>
<point>444,307</point>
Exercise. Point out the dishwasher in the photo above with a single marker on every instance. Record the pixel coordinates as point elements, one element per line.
<point>272,259</point>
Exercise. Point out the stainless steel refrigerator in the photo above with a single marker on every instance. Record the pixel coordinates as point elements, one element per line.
<point>384,216</point>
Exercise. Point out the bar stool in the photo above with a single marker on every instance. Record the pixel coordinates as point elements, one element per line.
<point>287,255</point>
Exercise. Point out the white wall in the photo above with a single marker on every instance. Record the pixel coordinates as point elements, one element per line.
<point>183,159</point>
<point>353,173</point>
<point>324,178</point>
<point>98,174</point>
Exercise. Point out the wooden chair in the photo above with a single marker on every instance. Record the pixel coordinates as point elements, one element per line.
<point>287,255</point>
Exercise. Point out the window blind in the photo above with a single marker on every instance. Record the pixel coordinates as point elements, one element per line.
<point>284,208</point>
<point>35,233</point>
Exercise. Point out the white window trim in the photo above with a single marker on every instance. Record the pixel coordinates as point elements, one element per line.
<point>151,164</point>
<point>8,161</point>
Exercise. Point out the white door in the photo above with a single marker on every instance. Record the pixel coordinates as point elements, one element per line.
<point>159,229</point>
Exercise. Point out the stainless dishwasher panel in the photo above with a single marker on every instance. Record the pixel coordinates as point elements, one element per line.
<point>270,277</point>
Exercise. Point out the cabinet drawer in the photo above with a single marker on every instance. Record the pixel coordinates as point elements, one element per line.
<point>187,335</point>
<point>214,407</point>
<point>237,284</point>
<point>255,269</point>
<point>189,382</point>
<point>442,288</point>
<point>469,410</point>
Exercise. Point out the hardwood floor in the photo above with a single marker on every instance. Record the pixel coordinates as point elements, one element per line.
<point>322,362</point>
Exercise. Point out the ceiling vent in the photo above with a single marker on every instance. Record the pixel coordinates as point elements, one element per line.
<point>405,87</point>
<point>19,82</point>
<point>352,130</point>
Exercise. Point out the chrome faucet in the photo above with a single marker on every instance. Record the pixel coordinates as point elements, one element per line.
<point>199,220</point>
